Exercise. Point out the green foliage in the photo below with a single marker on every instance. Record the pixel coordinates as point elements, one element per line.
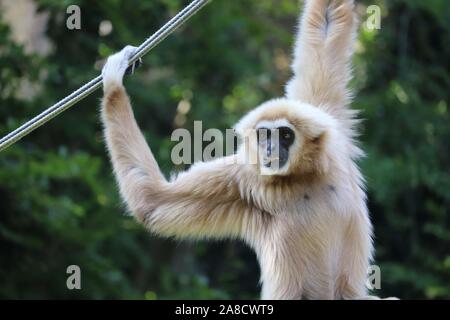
<point>58,201</point>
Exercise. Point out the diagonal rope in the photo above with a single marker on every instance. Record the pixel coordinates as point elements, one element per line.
<point>96,83</point>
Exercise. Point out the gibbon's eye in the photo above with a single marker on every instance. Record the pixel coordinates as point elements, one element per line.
<point>286,135</point>
<point>262,134</point>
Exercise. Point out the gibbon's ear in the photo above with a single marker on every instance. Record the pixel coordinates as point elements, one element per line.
<point>314,134</point>
<point>322,55</point>
<point>315,131</point>
<point>317,140</point>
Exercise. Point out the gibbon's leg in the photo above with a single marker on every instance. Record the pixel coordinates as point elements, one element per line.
<point>322,55</point>
<point>203,201</point>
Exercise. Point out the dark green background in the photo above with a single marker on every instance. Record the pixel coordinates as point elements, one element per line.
<point>58,201</point>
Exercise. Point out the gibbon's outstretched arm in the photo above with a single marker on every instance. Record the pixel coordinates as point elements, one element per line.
<point>201,202</point>
<point>322,55</point>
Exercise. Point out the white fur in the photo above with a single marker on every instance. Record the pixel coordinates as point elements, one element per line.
<point>115,68</point>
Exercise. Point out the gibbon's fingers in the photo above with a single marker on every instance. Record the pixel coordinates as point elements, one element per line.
<point>322,55</point>
<point>130,70</point>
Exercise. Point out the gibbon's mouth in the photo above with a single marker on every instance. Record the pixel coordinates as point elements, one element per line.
<point>275,162</point>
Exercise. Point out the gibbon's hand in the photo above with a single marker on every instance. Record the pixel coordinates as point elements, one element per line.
<point>117,66</point>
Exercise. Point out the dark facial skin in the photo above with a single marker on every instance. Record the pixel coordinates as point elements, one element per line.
<point>273,141</point>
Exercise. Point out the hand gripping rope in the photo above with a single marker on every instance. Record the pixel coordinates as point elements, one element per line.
<point>96,83</point>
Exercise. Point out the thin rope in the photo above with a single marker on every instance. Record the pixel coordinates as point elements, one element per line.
<point>96,83</point>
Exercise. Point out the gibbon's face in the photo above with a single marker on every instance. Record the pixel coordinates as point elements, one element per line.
<point>286,137</point>
<point>275,139</point>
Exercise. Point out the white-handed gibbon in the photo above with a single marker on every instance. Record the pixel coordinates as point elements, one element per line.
<point>306,216</point>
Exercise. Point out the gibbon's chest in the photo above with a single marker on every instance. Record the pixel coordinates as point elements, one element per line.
<point>312,227</point>
<point>313,224</point>
<point>314,202</point>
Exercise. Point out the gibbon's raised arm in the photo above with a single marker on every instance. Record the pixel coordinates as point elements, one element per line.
<point>201,202</point>
<point>322,55</point>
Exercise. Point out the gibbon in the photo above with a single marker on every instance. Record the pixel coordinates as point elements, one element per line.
<point>302,205</point>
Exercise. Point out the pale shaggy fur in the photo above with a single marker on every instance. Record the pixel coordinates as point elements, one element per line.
<point>308,223</point>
